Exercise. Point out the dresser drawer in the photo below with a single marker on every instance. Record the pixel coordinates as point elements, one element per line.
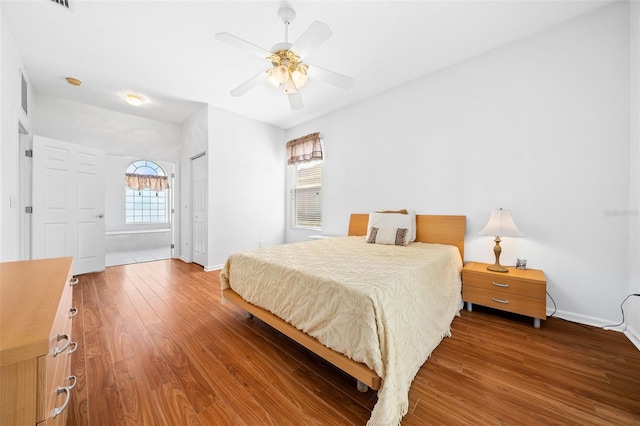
<point>505,285</point>
<point>58,362</point>
<point>523,305</point>
<point>35,309</point>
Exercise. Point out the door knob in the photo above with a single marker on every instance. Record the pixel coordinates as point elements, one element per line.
<point>100,216</point>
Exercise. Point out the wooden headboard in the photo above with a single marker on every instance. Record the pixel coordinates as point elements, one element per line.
<point>441,229</point>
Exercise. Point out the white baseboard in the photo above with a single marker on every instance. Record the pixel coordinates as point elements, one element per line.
<point>213,268</point>
<point>581,319</point>
<point>633,335</point>
<point>628,331</point>
<point>185,259</point>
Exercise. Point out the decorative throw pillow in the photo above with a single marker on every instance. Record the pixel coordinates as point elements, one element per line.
<point>391,236</point>
<point>394,220</point>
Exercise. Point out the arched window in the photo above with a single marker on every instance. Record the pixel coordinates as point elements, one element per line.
<point>146,187</point>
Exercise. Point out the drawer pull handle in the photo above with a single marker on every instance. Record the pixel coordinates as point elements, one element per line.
<point>499,284</point>
<point>59,350</point>
<point>74,281</point>
<point>73,312</point>
<point>67,391</point>
<point>72,385</point>
<point>75,347</point>
<point>500,300</point>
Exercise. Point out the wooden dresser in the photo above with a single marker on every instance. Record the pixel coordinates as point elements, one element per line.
<point>35,341</point>
<point>519,291</point>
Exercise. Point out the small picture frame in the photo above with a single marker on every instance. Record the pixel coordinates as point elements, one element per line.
<point>521,263</point>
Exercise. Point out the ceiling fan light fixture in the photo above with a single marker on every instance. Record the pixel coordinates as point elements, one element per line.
<point>290,87</point>
<point>281,74</point>
<point>299,76</point>
<point>271,79</point>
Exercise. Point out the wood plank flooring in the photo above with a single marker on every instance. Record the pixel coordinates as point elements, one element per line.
<point>157,347</point>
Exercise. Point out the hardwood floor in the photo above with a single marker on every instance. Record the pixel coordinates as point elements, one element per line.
<point>157,347</point>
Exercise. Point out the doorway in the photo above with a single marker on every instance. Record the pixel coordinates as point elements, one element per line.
<point>140,219</point>
<point>199,209</point>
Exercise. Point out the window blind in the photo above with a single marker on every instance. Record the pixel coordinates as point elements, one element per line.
<point>307,195</point>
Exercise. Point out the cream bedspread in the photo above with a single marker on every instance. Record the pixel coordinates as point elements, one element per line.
<point>385,306</point>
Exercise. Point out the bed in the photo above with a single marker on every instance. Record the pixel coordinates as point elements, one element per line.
<point>376,311</point>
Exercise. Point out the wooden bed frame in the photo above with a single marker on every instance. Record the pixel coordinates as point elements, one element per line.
<point>429,229</point>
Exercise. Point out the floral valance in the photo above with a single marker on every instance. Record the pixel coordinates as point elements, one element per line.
<point>138,182</point>
<point>304,149</point>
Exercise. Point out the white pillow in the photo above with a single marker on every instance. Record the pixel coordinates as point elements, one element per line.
<point>391,236</point>
<point>394,220</point>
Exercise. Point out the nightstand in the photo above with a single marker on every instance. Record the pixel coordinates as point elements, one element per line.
<point>520,291</point>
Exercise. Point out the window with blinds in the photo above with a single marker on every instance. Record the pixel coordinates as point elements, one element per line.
<point>306,195</point>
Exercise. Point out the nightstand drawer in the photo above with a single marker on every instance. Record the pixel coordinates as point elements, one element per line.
<point>529,306</point>
<point>519,291</point>
<point>505,285</point>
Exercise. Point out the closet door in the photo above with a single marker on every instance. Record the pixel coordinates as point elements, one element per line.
<point>199,210</point>
<point>68,203</point>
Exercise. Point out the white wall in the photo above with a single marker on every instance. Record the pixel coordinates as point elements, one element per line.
<point>11,116</point>
<point>246,161</point>
<point>195,140</point>
<point>540,126</point>
<point>633,305</point>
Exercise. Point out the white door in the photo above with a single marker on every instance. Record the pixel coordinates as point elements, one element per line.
<point>199,209</point>
<point>68,203</point>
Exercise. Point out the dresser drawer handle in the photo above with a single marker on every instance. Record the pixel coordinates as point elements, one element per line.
<point>499,284</point>
<point>73,312</point>
<point>59,350</point>
<point>67,391</point>
<point>74,281</point>
<point>72,385</point>
<point>500,300</point>
<point>75,347</point>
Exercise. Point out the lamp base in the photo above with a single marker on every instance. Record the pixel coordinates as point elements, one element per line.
<point>497,268</point>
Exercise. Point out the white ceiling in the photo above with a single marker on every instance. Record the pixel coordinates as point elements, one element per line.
<point>166,50</point>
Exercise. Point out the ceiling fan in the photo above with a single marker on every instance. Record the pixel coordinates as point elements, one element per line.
<point>287,67</point>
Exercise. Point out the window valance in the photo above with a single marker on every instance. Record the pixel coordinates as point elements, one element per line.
<point>304,149</point>
<point>138,182</point>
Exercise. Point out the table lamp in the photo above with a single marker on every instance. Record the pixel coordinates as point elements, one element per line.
<point>500,224</point>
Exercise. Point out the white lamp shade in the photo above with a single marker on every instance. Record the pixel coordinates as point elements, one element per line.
<point>289,87</point>
<point>501,224</point>
<point>281,73</point>
<point>271,79</point>
<point>299,78</point>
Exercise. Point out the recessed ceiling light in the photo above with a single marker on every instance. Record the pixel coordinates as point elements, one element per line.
<point>73,81</point>
<point>135,100</point>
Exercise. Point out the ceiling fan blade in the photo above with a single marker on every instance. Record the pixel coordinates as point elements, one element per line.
<point>317,33</point>
<point>242,44</point>
<point>248,85</point>
<point>295,100</point>
<point>330,77</point>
